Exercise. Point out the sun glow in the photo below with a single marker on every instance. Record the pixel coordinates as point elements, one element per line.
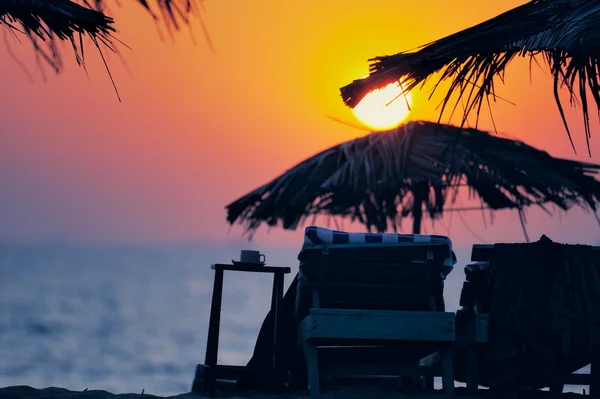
<point>384,108</point>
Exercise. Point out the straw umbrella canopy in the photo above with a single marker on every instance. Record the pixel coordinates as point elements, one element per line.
<point>415,169</point>
<point>564,32</point>
<point>46,23</point>
<point>173,13</point>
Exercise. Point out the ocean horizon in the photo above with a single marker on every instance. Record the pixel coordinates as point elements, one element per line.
<point>127,318</point>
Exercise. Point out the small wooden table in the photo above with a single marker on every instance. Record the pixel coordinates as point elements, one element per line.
<point>212,371</point>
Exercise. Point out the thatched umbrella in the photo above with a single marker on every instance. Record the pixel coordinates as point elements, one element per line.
<point>47,22</point>
<point>174,12</point>
<point>383,177</point>
<point>564,32</point>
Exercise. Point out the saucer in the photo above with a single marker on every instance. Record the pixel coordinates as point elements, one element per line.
<point>237,262</point>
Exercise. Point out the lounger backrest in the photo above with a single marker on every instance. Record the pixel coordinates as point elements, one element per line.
<point>405,275</point>
<point>481,253</point>
<point>476,290</point>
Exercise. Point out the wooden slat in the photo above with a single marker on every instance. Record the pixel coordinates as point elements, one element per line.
<point>235,372</point>
<point>482,252</point>
<point>383,313</point>
<point>375,297</point>
<point>390,353</point>
<point>252,268</point>
<point>382,273</point>
<point>379,370</point>
<point>369,271</point>
<point>577,379</point>
<point>384,325</point>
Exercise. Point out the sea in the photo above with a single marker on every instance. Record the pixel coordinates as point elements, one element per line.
<point>131,318</point>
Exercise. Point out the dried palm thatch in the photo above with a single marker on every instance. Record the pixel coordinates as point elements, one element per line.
<point>564,32</point>
<point>44,22</point>
<point>174,13</point>
<point>47,22</point>
<point>383,177</point>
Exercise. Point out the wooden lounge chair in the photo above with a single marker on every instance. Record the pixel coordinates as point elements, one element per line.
<point>372,305</point>
<point>477,296</point>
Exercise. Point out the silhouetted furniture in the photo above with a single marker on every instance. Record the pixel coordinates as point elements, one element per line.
<point>209,372</point>
<point>371,304</point>
<point>545,289</point>
<point>473,334</point>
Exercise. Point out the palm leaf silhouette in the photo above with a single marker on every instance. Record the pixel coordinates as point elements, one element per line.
<point>564,32</point>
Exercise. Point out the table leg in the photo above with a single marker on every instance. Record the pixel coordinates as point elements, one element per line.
<point>276,312</point>
<point>212,342</point>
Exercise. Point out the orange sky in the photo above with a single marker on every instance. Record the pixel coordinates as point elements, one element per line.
<point>196,130</point>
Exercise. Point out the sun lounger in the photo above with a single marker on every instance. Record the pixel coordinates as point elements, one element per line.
<point>372,304</point>
<point>548,331</point>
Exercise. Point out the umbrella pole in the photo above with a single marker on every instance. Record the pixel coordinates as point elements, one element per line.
<point>417,212</point>
<point>420,191</point>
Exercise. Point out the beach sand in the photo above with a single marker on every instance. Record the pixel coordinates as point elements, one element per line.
<point>366,392</point>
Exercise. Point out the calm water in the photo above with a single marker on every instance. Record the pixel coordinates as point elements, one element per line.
<point>126,319</point>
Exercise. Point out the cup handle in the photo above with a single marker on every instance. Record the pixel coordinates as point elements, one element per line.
<point>262,258</point>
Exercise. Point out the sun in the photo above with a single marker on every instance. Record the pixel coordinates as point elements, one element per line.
<point>384,108</point>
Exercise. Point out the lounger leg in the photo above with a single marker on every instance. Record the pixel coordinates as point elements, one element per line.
<point>312,367</point>
<point>427,379</point>
<point>429,382</point>
<point>473,371</point>
<point>595,378</point>
<point>556,388</point>
<point>448,371</point>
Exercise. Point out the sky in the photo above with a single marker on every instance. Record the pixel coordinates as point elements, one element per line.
<point>196,129</point>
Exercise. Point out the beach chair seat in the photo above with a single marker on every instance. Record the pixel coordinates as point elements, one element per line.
<point>372,304</point>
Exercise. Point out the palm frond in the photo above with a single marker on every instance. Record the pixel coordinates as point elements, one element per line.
<point>174,13</point>
<point>564,32</point>
<point>44,22</point>
<point>383,177</point>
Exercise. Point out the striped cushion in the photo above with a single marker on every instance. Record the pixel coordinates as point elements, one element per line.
<point>315,236</point>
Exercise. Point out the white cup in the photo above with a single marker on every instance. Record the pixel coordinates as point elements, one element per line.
<point>250,256</point>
